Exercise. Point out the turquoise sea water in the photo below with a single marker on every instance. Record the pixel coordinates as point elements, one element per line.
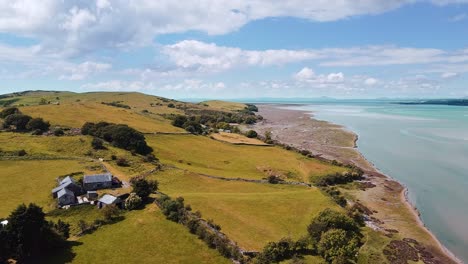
<point>425,148</point>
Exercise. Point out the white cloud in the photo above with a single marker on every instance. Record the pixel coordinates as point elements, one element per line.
<point>458,17</point>
<point>371,81</point>
<point>83,70</point>
<point>305,74</point>
<point>211,57</point>
<point>448,75</point>
<point>117,85</point>
<point>308,75</point>
<point>76,27</point>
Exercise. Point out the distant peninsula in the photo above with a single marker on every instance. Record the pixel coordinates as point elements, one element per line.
<point>456,102</point>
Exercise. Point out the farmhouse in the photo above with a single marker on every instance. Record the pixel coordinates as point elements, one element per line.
<point>97,181</point>
<point>67,183</point>
<point>108,199</point>
<point>65,197</point>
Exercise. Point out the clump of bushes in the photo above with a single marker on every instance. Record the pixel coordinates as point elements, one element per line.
<point>121,136</point>
<point>133,202</point>
<point>122,162</point>
<point>97,143</point>
<point>58,132</point>
<point>338,178</point>
<point>117,104</point>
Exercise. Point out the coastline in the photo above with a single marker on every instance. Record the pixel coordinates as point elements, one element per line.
<point>389,199</point>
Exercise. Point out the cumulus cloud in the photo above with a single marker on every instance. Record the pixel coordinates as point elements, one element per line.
<point>75,27</point>
<point>308,75</point>
<point>83,70</point>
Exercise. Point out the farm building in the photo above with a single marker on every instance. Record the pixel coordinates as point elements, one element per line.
<point>67,183</point>
<point>108,199</point>
<point>65,197</point>
<point>97,181</point>
<point>92,195</point>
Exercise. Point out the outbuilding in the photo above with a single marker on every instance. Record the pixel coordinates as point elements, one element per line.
<point>108,199</point>
<point>97,182</point>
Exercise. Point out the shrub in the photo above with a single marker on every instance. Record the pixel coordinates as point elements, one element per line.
<point>338,244</point>
<point>19,121</point>
<point>133,202</point>
<point>251,134</point>
<point>22,153</point>
<point>171,105</point>
<point>109,212</point>
<point>97,143</point>
<point>330,219</point>
<point>122,162</point>
<point>114,157</point>
<point>9,111</point>
<point>59,132</point>
<point>38,124</point>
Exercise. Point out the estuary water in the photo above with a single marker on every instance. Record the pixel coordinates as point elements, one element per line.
<point>425,148</point>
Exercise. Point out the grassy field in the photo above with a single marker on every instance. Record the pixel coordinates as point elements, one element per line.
<point>207,156</point>
<point>144,236</point>
<point>223,105</point>
<point>237,139</point>
<point>251,214</point>
<point>32,181</point>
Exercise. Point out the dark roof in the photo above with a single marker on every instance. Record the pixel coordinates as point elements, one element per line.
<point>63,192</point>
<point>62,186</point>
<point>66,180</point>
<point>106,177</point>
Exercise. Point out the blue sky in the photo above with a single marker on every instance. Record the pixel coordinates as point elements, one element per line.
<point>238,48</point>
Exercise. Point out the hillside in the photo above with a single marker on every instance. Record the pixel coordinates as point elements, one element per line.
<point>230,185</point>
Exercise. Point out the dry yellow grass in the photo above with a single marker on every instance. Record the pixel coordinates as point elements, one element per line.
<point>237,139</point>
<point>223,105</point>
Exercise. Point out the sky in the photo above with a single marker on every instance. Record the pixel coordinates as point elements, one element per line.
<point>237,48</point>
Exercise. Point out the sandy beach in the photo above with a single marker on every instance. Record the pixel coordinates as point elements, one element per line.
<point>392,212</point>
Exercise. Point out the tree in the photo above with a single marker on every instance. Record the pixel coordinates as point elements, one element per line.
<point>179,121</point>
<point>251,134</point>
<point>63,229</point>
<point>268,137</point>
<point>330,219</point>
<point>143,188</point>
<point>122,162</point>
<point>19,121</point>
<point>110,212</point>
<point>337,244</point>
<point>133,201</point>
<point>97,143</point>
<point>31,235</point>
<point>38,124</point>
<point>9,111</point>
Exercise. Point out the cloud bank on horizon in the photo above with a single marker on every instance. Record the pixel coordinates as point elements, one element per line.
<point>238,48</point>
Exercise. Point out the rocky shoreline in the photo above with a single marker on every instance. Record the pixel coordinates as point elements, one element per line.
<point>388,200</point>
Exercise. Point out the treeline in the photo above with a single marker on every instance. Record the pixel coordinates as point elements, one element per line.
<point>119,135</point>
<point>177,211</point>
<point>199,121</point>
<point>338,178</point>
<point>15,120</point>
<point>29,238</point>
<point>333,235</point>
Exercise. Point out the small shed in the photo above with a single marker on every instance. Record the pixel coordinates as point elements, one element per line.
<point>97,182</point>
<point>65,197</point>
<point>93,195</point>
<point>108,199</point>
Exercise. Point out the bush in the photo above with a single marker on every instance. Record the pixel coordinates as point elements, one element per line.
<point>251,134</point>
<point>97,143</point>
<point>9,111</point>
<point>38,124</point>
<point>143,188</point>
<point>122,162</point>
<point>19,121</point>
<point>330,219</point>
<point>171,105</point>
<point>110,212</point>
<point>338,244</point>
<point>22,153</point>
<point>58,132</point>
<point>133,202</point>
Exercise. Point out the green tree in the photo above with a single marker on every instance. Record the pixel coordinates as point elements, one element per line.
<point>179,121</point>
<point>97,143</point>
<point>133,202</point>
<point>19,121</point>
<point>38,124</point>
<point>143,188</point>
<point>251,134</point>
<point>58,132</point>
<point>330,219</point>
<point>110,212</point>
<point>9,111</point>
<point>337,244</point>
